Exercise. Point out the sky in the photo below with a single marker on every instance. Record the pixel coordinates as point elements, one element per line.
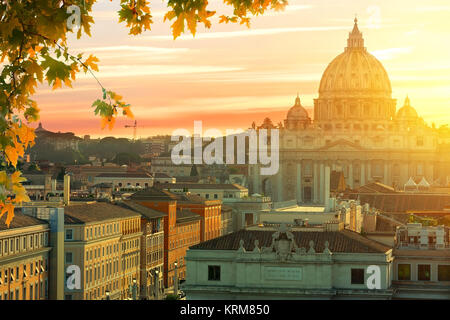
<point>230,75</point>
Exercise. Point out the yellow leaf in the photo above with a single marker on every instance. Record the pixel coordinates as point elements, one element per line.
<point>127,112</point>
<point>12,155</point>
<point>57,84</point>
<point>90,62</point>
<point>9,209</point>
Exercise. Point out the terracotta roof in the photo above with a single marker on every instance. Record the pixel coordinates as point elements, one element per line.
<point>161,175</point>
<point>344,241</point>
<point>154,194</point>
<point>218,186</point>
<point>124,175</point>
<point>143,210</point>
<point>20,220</point>
<point>403,202</point>
<point>97,211</point>
<point>193,198</point>
<point>186,215</point>
<point>421,253</point>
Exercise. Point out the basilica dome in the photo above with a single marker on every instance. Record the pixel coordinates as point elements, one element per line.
<point>355,71</point>
<point>355,88</point>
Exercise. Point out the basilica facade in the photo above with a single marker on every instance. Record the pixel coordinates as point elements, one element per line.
<point>356,129</point>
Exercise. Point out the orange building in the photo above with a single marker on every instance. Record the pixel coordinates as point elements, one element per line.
<point>209,210</point>
<point>181,229</point>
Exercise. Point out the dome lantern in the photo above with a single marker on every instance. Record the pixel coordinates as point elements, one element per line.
<point>355,38</point>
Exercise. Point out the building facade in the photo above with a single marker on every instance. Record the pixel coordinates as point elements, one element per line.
<point>24,259</point>
<point>285,264</point>
<point>103,240</point>
<point>181,230</point>
<point>422,262</point>
<point>152,250</point>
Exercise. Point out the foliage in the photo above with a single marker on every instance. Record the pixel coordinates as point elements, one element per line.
<point>171,297</point>
<point>33,48</point>
<point>127,158</point>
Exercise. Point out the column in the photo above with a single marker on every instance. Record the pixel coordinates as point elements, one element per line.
<point>321,184</point>
<point>369,171</point>
<point>316,183</point>
<point>327,188</point>
<point>299,183</point>
<point>350,175</point>
<point>363,173</point>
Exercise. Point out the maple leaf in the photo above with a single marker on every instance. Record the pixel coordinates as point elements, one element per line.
<point>91,62</point>
<point>9,209</point>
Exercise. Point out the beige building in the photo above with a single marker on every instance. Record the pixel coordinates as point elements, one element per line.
<point>356,129</point>
<point>226,192</point>
<point>104,241</point>
<point>24,259</point>
<point>126,179</point>
<point>422,262</point>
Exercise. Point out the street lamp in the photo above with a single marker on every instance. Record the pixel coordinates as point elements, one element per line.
<point>108,295</point>
<point>175,280</point>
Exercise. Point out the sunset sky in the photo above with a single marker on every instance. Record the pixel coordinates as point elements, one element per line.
<point>229,76</point>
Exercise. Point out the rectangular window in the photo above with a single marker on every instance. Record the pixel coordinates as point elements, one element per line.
<point>69,257</point>
<point>214,273</point>
<point>444,273</point>
<point>69,234</point>
<point>423,272</point>
<point>404,272</point>
<point>357,276</point>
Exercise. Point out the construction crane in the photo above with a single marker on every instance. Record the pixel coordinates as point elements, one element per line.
<point>134,129</point>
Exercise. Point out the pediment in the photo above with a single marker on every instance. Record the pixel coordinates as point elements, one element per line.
<point>342,145</point>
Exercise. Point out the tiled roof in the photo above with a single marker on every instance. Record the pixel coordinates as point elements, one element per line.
<point>145,211</point>
<point>161,175</point>
<point>193,198</point>
<point>93,212</point>
<point>125,175</point>
<point>344,241</point>
<point>20,220</point>
<point>153,194</point>
<point>218,186</point>
<point>403,202</point>
<point>186,215</point>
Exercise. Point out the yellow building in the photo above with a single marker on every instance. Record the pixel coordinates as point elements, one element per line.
<point>24,258</point>
<point>103,240</point>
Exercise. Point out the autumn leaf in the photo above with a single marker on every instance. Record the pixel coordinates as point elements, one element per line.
<point>9,209</point>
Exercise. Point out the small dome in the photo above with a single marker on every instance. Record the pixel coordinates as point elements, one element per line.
<point>407,112</point>
<point>297,112</point>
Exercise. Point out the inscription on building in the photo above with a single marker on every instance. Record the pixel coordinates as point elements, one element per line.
<point>282,273</point>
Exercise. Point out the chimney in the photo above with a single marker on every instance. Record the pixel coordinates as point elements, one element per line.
<point>66,189</point>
